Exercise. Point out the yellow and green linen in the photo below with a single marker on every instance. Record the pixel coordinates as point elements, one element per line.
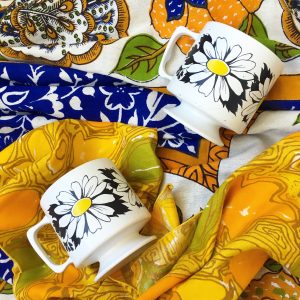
<point>213,255</point>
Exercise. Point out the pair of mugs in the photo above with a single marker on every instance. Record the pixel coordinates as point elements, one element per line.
<point>97,217</point>
<point>95,213</point>
<point>224,79</point>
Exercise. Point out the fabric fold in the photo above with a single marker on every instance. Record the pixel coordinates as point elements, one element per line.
<point>253,215</point>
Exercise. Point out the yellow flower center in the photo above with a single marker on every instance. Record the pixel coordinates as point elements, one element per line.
<point>218,66</point>
<point>81,206</point>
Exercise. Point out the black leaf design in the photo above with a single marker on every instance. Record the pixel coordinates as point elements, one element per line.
<point>235,101</point>
<point>119,206</point>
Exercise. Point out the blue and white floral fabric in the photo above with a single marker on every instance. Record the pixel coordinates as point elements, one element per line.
<point>33,95</point>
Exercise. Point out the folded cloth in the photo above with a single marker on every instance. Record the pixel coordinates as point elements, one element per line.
<point>213,255</point>
<point>253,215</point>
<point>32,163</point>
<point>33,95</point>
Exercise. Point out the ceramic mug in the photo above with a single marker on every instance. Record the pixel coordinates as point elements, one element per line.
<point>96,215</point>
<point>224,79</point>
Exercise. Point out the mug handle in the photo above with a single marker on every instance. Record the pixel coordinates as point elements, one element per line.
<point>179,31</point>
<point>32,237</point>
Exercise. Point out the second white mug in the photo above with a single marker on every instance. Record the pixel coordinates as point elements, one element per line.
<point>96,215</point>
<point>225,77</point>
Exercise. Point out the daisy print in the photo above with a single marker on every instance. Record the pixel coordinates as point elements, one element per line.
<point>219,70</point>
<point>84,208</point>
<point>260,87</point>
<point>118,182</point>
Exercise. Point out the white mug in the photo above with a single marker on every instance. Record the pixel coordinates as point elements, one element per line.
<point>96,215</point>
<point>223,81</point>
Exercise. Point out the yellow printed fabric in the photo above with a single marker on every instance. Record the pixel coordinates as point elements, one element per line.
<point>214,255</point>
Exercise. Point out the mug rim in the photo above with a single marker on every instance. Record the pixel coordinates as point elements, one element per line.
<point>44,196</point>
<point>245,35</point>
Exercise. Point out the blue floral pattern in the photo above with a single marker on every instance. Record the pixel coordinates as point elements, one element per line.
<point>38,94</point>
<point>175,9</point>
<point>6,265</point>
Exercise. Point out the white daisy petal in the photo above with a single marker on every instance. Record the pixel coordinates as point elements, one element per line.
<point>72,227</point>
<point>92,223</point>
<point>66,197</point>
<point>104,198</point>
<point>133,199</point>
<point>249,110</point>
<point>118,177</point>
<point>209,49</point>
<point>99,189</point>
<point>243,75</point>
<point>80,227</point>
<point>256,95</point>
<point>246,56</point>
<point>90,187</point>
<point>221,47</point>
<point>200,76</point>
<point>266,86</point>
<point>200,58</point>
<point>234,53</point>
<point>102,212</point>
<point>123,187</point>
<point>217,89</point>
<point>208,85</point>
<point>242,65</point>
<point>85,180</point>
<point>224,90</point>
<point>234,84</point>
<point>76,187</point>
<point>63,209</point>
<point>65,220</point>
<point>196,68</point>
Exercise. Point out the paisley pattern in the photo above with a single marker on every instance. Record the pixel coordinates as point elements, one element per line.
<point>62,31</point>
<point>127,38</point>
<point>291,20</point>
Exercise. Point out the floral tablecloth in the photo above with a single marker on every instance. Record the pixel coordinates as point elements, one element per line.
<point>126,40</point>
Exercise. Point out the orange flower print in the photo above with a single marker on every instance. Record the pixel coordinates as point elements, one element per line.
<point>166,15</point>
<point>61,31</point>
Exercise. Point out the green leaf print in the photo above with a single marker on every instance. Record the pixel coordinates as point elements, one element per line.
<point>5,288</point>
<point>140,58</point>
<point>273,265</point>
<point>253,26</point>
<point>297,121</point>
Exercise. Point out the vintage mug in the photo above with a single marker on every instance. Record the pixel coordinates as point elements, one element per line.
<point>96,215</point>
<point>223,81</point>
